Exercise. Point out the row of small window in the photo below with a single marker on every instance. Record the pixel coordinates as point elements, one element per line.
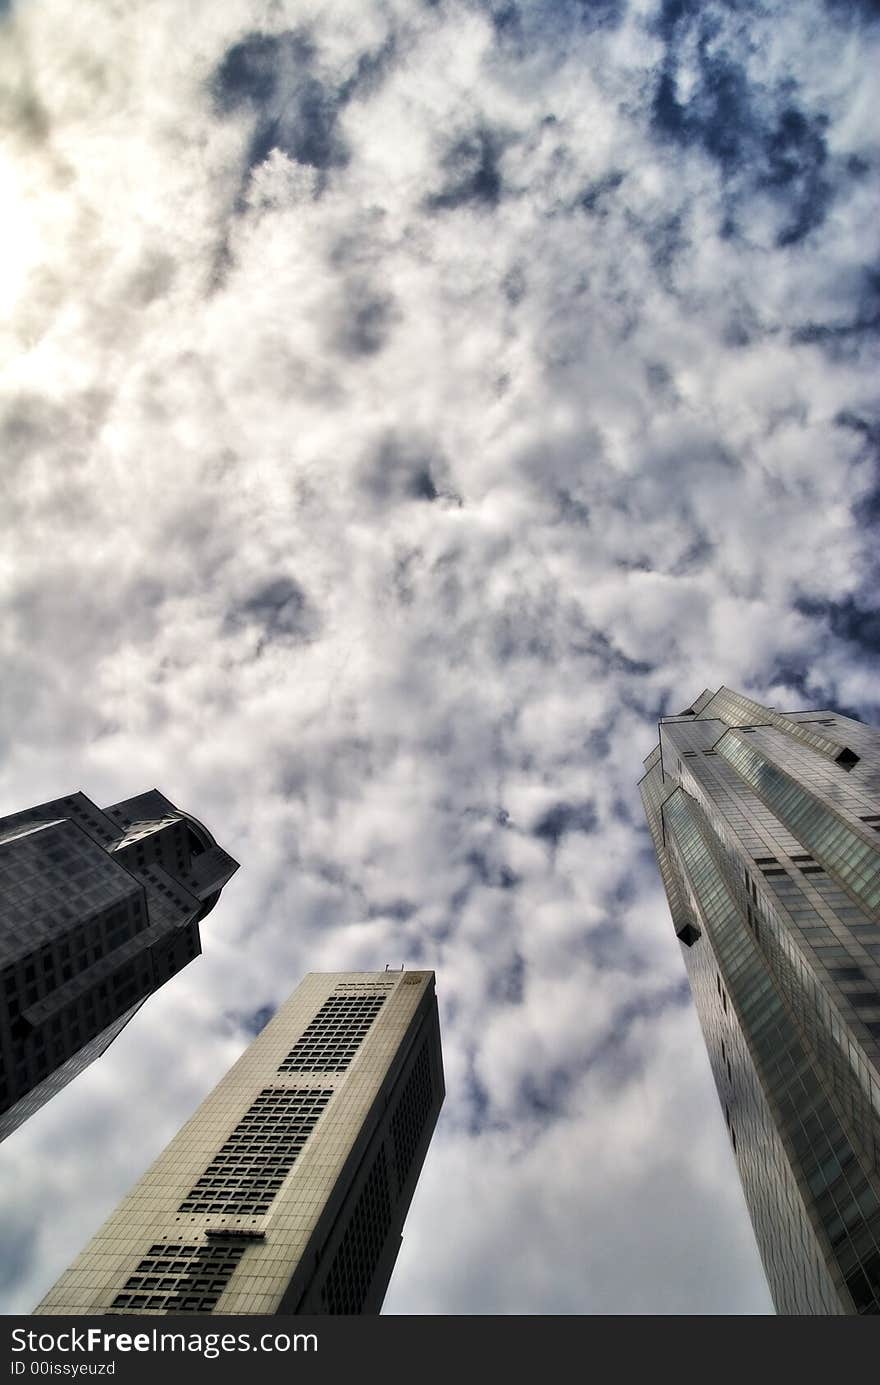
<point>192,1277</point>
<point>330,1041</point>
<point>854,860</point>
<point>270,1136</point>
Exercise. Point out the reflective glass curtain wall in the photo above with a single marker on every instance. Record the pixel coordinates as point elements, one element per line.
<point>766,826</point>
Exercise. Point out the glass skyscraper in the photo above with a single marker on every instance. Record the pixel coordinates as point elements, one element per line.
<point>98,908</point>
<point>287,1190</point>
<point>766,827</point>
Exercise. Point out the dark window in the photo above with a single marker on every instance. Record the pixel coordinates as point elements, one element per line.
<point>180,1279</point>
<point>847,973</point>
<point>335,1034</point>
<point>847,758</point>
<point>246,1173</point>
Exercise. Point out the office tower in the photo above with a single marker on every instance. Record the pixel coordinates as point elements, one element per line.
<point>97,910</point>
<point>767,832</point>
<point>287,1190</point>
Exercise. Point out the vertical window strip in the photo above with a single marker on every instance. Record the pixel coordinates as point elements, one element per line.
<point>830,838</point>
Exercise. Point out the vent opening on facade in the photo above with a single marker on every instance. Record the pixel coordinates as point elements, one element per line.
<point>847,758</point>
<point>234,1233</point>
<point>179,1279</point>
<point>688,934</point>
<point>335,1034</point>
<point>245,1175</point>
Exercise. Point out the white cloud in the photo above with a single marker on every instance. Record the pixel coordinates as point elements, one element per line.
<point>222,376</point>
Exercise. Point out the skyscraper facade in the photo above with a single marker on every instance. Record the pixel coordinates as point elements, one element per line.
<point>98,908</point>
<point>287,1190</point>
<point>766,827</point>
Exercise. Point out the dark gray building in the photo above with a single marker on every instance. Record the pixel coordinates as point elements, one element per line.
<point>98,908</point>
<point>767,832</point>
<point>287,1190</point>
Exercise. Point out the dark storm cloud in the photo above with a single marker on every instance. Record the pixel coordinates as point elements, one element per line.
<point>610,947</point>
<point>475,1098</point>
<point>507,982</point>
<point>867,10</point>
<point>597,195</point>
<point>814,690</point>
<point>495,874</point>
<point>668,240</point>
<point>399,909</point>
<point>270,75</point>
<point>613,1043</point>
<point>401,468</point>
<point>19,1244</point>
<point>471,172</point>
<point>850,620</point>
<point>544,626</point>
<point>274,77</point>
<point>30,424</point>
<point>695,557</point>
<point>255,1022</point>
<point>545,1097</point>
<point>866,510</point>
<point>572,510</point>
<point>520,26</point>
<point>555,822</point>
<point>602,647</point>
<point>839,339</point>
<point>598,744</point>
<point>365,321</point>
<point>763,142</point>
<point>279,610</point>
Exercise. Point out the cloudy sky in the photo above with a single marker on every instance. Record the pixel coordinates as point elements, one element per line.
<point>404,404</point>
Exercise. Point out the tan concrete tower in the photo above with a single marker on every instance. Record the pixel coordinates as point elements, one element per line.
<point>287,1190</point>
